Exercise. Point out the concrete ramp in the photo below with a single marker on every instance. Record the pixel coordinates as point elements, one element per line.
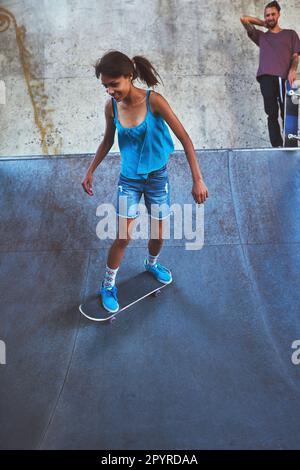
<point>208,365</point>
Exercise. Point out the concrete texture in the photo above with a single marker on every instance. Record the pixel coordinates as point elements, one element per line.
<point>205,366</point>
<point>202,53</point>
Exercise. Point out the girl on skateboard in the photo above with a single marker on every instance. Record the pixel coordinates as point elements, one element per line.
<point>140,117</point>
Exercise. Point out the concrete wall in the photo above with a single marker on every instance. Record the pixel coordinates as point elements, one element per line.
<point>54,104</point>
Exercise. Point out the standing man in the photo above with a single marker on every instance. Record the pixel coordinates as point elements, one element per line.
<point>278,61</point>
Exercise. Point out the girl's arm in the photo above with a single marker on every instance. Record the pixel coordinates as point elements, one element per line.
<point>103,149</point>
<point>160,106</point>
<point>108,138</point>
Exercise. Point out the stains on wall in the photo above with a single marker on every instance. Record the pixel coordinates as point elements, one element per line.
<point>51,143</point>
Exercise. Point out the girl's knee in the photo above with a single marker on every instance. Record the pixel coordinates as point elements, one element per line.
<point>156,241</point>
<point>122,242</point>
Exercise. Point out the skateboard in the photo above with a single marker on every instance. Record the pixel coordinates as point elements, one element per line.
<point>130,292</point>
<point>291,114</point>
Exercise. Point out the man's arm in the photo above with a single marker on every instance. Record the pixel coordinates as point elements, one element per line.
<point>250,21</point>
<point>293,69</point>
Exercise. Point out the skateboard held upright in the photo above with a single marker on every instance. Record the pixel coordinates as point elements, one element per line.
<point>291,114</point>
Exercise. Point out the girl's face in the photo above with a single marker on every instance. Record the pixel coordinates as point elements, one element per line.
<point>117,87</point>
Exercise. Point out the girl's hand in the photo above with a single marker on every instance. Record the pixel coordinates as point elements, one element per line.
<point>87,184</point>
<point>199,192</point>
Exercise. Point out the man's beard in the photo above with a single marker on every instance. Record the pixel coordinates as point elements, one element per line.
<point>272,24</point>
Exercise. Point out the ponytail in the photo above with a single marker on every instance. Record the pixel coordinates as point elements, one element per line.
<point>145,71</point>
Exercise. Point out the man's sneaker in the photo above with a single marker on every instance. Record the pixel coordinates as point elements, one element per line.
<point>161,273</point>
<point>109,298</point>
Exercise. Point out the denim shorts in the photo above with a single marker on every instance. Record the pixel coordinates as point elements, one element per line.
<point>156,195</point>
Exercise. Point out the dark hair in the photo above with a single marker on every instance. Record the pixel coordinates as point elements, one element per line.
<point>115,63</point>
<point>273,5</point>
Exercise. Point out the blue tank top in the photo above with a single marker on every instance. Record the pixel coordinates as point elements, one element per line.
<point>145,147</point>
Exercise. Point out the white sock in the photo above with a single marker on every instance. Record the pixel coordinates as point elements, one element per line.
<point>151,260</point>
<point>110,277</point>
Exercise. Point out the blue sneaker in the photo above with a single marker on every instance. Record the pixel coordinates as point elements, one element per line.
<point>109,298</point>
<point>161,273</point>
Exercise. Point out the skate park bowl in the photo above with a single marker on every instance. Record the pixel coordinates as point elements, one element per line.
<point>210,364</point>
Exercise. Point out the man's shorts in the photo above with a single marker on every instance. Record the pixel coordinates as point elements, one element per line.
<point>156,195</point>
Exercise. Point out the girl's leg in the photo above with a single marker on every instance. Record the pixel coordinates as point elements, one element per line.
<point>108,290</point>
<point>116,252</point>
<point>161,273</point>
<point>117,249</point>
<point>157,200</point>
<point>156,241</point>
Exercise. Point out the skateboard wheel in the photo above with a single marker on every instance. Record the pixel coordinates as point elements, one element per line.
<point>156,293</point>
<point>112,320</point>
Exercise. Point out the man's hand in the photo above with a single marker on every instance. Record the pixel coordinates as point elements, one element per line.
<point>292,76</point>
<point>293,70</point>
<point>199,192</point>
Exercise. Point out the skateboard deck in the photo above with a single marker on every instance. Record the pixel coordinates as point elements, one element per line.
<point>291,114</point>
<point>130,292</point>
